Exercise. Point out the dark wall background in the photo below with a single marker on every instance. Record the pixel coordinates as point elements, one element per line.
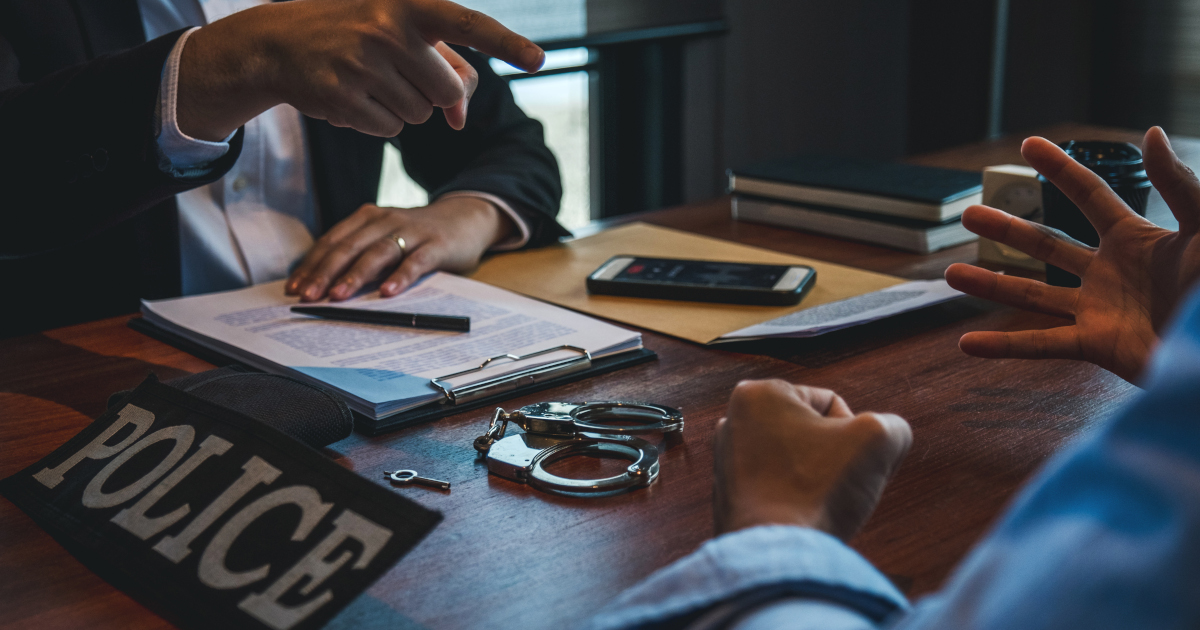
<point>888,79</point>
<point>949,72</point>
<point>1136,49</point>
<point>794,75</point>
<point>1048,70</point>
<point>787,77</point>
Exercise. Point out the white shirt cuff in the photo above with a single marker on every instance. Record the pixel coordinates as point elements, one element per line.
<point>181,151</point>
<point>518,240</point>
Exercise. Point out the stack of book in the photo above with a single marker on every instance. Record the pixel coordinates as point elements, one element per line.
<point>914,208</point>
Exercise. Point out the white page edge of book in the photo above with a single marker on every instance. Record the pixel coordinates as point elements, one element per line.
<point>908,239</point>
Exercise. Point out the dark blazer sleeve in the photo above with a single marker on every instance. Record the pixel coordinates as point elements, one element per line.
<point>77,147</point>
<point>500,151</point>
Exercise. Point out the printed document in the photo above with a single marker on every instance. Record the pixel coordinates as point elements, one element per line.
<point>860,309</point>
<point>383,370</point>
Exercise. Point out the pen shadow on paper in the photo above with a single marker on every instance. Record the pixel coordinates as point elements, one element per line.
<point>45,368</point>
<point>827,349</point>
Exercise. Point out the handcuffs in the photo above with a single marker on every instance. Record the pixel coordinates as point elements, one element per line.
<point>555,431</point>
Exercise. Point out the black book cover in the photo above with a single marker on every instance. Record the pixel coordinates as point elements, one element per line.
<point>925,184</point>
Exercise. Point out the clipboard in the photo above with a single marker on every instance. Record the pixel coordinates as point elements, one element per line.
<point>490,392</point>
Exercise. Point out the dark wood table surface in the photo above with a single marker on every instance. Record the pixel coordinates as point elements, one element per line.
<point>507,556</point>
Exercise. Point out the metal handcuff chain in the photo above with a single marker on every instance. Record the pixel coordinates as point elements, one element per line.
<point>557,431</point>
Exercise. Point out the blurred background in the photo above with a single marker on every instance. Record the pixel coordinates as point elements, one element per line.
<point>646,103</point>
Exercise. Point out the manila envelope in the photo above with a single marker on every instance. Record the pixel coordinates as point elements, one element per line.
<point>558,274</point>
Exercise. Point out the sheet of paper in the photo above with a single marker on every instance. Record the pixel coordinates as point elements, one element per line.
<point>386,368</point>
<point>558,274</point>
<point>861,309</point>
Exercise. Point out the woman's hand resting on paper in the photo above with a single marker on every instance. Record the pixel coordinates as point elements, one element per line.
<point>448,234</point>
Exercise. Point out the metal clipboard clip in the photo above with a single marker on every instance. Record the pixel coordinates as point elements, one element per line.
<point>515,380</point>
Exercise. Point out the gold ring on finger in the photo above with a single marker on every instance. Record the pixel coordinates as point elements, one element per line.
<point>399,241</point>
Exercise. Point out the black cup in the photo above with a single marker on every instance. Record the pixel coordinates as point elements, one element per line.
<point>1119,164</point>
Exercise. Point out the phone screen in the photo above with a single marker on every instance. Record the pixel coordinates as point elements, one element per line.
<point>701,273</point>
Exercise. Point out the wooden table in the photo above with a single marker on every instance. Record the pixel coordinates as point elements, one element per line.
<point>507,556</point>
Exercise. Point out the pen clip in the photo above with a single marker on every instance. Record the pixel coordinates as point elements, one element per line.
<point>516,380</point>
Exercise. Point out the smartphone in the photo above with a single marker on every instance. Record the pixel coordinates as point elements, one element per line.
<point>702,280</point>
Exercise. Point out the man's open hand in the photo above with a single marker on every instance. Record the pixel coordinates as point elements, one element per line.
<point>795,455</point>
<point>1131,284</point>
<point>372,65</point>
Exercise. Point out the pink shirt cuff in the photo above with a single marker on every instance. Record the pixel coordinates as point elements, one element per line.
<point>518,240</point>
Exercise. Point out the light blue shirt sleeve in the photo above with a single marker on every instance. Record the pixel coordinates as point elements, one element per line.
<point>744,569</point>
<point>181,155</point>
<point>1107,535</point>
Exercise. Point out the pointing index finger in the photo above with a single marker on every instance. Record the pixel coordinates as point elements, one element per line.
<point>456,115</point>
<point>452,23</point>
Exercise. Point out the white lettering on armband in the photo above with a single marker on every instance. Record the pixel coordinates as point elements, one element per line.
<point>265,606</point>
<point>133,519</point>
<point>129,414</point>
<point>256,471</point>
<point>94,495</point>
<point>213,571</point>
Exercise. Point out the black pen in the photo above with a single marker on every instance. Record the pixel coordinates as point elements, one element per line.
<point>388,318</point>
